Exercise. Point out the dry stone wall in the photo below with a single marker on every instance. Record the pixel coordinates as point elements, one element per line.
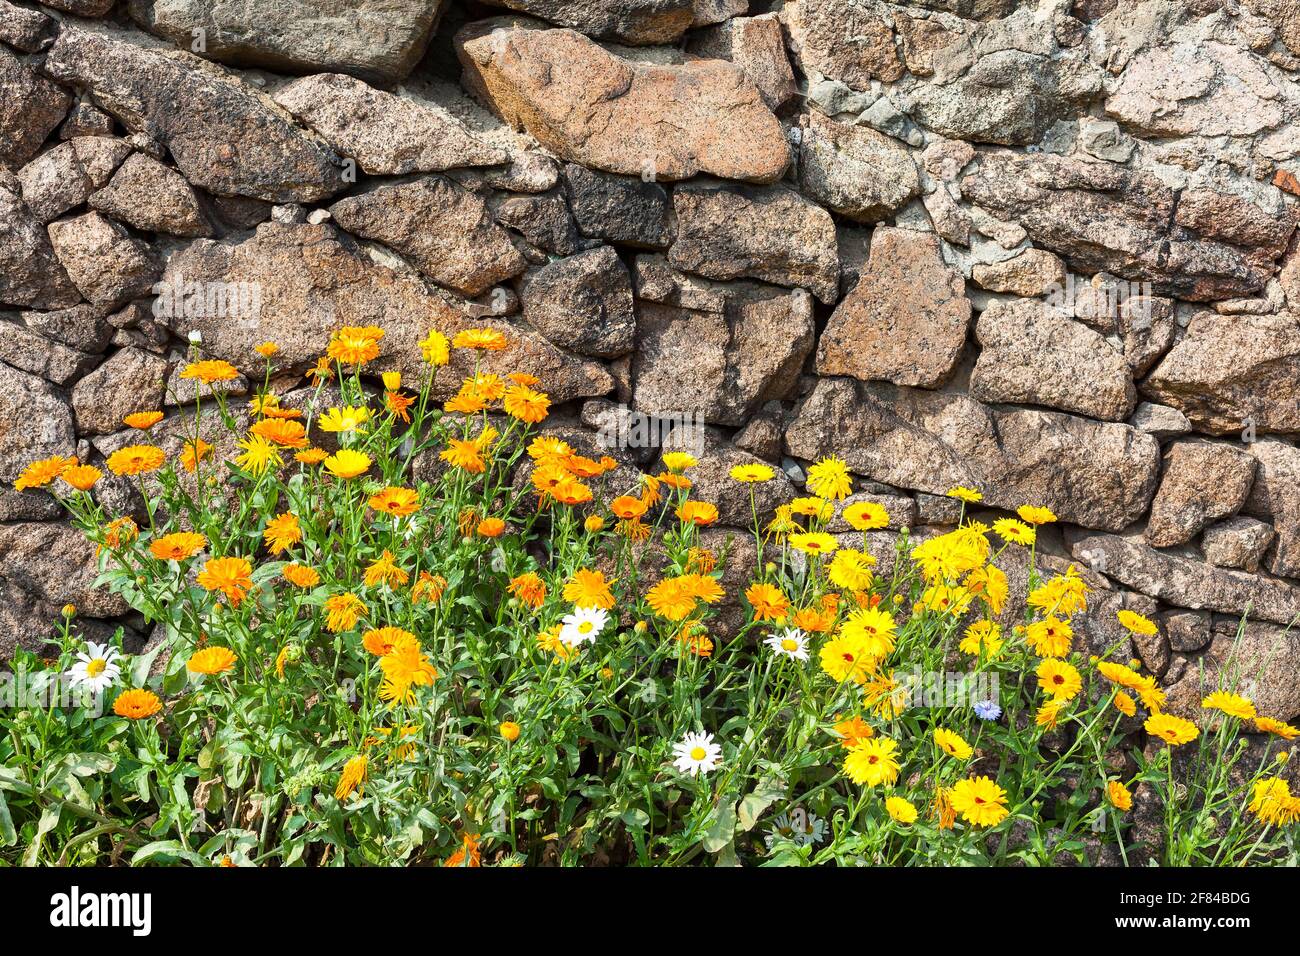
<point>1045,248</point>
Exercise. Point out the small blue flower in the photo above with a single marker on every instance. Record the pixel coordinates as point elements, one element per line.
<point>988,710</point>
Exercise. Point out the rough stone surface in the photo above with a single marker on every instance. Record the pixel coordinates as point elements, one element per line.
<point>1276,495</point>
<point>854,170</point>
<point>222,135</point>
<point>1237,543</point>
<point>769,233</point>
<point>1187,630</point>
<point>30,273</point>
<point>84,327</point>
<point>584,303</point>
<point>26,350</point>
<point>1202,482</point>
<point>374,39</point>
<point>311,283</point>
<point>544,220</point>
<point>56,563</point>
<point>628,21</point>
<point>1034,355</point>
<point>714,350</point>
<point>646,196</point>
<point>1159,421</point>
<point>107,265</point>
<point>24,29</point>
<point>757,46</point>
<point>35,422</point>
<point>1258,663</point>
<point>155,198</point>
<point>1231,371</point>
<point>387,135</point>
<point>1092,474</point>
<point>446,231</point>
<point>1185,582</point>
<point>906,319</point>
<point>848,41</point>
<point>1033,272</point>
<point>61,178</point>
<point>622,209</point>
<point>1104,218</point>
<point>591,107</point>
<point>30,108</point>
<point>130,381</point>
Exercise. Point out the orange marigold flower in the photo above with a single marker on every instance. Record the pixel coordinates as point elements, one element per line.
<point>768,602</point>
<point>194,452</point>
<point>699,513</point>
<point>342,612</point>
<point>40,473</point>
<point>321,370</point>
<point>468,854</point>
<point>580,466</point>
<point>679,482</point>
<point>627,507</point>
<point>816,620</point>
<point>428,587</point>
<point>211,660</point>
<point>82,477</point>
<point>120,531</point>
<point>398,502</point>
<point>491,527</point>
<point>137,704</point>
<point>701,560</point>
<point>142,420</point>
<point>381,641</point>
<point>465,403</point>
<point>572,492</point>
<point>231,576</point>
<point>177,546</point>
<point>300,575</point>
<point>282,532</point>
<point>526,405</point>
<point>355,345</point>
<point>464,455</point>
<point>311,456</point>
<point>589,589</point>
<point>399,405</point>
<point>267,349</point>
<point>487,340</point>
<point>529,588</point>
<point>136,460</point>
<point>352,777</point>
<point>852,731</point>
<point>210,370</point>
<point>385,570</point>
<point>695,639</point>
<point>282,431</point>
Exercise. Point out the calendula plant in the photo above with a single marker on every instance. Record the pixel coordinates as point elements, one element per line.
<point>527,657</point>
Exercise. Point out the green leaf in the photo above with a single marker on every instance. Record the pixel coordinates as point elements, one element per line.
<point>8,835</point>
<point>722,829</point>
<point>755,803</point>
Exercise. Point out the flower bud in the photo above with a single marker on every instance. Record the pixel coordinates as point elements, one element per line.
<point>509,730</point>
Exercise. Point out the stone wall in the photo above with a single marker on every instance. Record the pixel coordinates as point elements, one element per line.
<point>1043,249</point>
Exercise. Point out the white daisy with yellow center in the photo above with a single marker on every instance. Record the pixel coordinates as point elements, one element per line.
<point>791,642</point>
<point>696,754</point>
<point>582,626</point>
<point>96,668</point>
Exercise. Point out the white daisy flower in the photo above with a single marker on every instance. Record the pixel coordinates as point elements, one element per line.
<point>799,827</point>
<point>696,754</point>
<point>791,642</point>
<point>583,625</point>
<point>96,668</point>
